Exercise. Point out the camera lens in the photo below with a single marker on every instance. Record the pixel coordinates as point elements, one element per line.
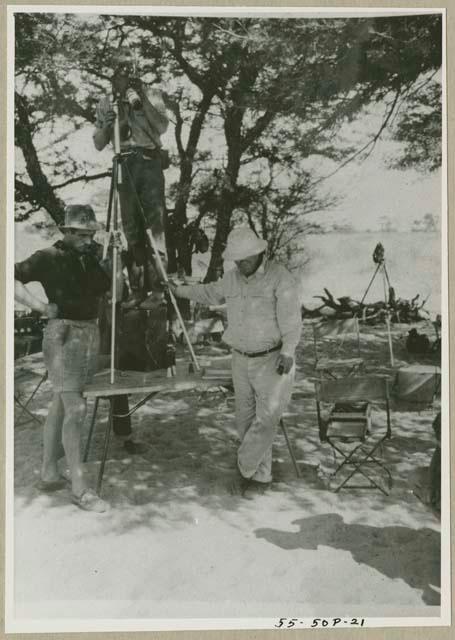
<point>133,98</point>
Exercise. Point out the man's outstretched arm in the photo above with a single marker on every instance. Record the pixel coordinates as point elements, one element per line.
<point>208,294</point>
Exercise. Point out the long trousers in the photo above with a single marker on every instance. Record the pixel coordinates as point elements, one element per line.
<point>142,177</point>
<point>261,397</point>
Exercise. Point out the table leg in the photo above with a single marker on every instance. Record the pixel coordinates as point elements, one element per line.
<point>106,445</point>
<point>291,452</point>
<point>90,432</point>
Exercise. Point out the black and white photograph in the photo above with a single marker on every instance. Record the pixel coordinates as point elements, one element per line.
<point>227,319</point>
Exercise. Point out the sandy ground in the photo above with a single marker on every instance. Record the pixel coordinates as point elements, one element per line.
<point>176,544</point>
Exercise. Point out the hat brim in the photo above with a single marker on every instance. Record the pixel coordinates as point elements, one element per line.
<point>95,226</point>
<point>232,255</point>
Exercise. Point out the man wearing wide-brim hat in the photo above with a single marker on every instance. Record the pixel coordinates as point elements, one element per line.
<point>74,279</point>
<point>264,326</point>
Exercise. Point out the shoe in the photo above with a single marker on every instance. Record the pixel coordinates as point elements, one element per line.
<point>256,488</point>
<point>153,301</point>
<point>133,301</point>
<point>237,485</point>
<point>134,448</point>
<point>89,501</point>
<point>52,485</point>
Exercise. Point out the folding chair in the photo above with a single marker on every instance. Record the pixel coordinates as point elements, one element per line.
<point>329,338</point>
<point>24,405</point>
<point>28,334</point>
<point>349,430</point>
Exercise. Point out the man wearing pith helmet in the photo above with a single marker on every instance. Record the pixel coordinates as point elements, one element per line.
<point>264,326</point>
<point>74,279</point>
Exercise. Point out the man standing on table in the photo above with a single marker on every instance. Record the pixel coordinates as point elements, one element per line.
<point>74,279</point>
<point>142,121</point>
<point>264,326</point>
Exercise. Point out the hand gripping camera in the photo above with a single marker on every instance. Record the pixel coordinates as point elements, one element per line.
<point>132,94</point>
<point>133,98</point>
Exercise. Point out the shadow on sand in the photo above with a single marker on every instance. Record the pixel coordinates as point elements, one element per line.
<point>389,550</point>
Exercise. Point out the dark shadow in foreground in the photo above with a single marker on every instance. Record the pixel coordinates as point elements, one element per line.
<point>413,555</point>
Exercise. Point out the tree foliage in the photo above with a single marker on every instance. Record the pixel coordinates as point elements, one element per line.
<point>253,100</point>
<point>419,128</point>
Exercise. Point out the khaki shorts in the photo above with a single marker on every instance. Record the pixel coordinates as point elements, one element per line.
<point>70,350</point>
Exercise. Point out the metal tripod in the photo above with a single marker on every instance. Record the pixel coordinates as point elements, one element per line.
<point>112,227</point>
<point>379,259</point>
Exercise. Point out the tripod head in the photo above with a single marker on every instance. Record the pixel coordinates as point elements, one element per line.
<point>379,254</point>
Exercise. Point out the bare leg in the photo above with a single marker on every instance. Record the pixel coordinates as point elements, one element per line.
<point>52,440</point>
<point>75,410</point>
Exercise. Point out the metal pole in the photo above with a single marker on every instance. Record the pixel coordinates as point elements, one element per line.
<point>392,361</point>
<point>112,190</point>
<point>118,180</point>
<point>384,284</point>
<point>387,316</point>
<point>90,433</point>
<point>109,428</point>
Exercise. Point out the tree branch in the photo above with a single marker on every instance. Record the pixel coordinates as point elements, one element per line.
<point>83,178</point>
<point>43,193</point>
<point>175,107</point>
<point>257,129</point>
<point>369,145</point>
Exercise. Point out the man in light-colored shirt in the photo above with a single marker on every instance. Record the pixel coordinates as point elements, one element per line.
<point>142,121</point>
<point>264,326</point>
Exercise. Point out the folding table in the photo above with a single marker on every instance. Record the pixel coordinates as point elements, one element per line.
<point>148,384</point>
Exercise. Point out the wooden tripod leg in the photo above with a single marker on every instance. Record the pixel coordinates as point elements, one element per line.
<point>159,262</point>
<point>109,428</point>
<point>90,433</point>
<point>291,451</point>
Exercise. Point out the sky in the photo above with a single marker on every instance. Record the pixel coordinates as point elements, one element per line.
<point>369,191</point>
<point>366,191</point>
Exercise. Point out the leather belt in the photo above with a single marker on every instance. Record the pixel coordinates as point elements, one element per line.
<point>258,354</point>
<point>148,152</point>
<point>143,151</point>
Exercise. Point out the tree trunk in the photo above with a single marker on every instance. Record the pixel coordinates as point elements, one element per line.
<point>180,255</point>
<point>233,124</point>
<point>43,193</point>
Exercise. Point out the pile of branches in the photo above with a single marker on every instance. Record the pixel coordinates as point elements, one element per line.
<point>399,309</point>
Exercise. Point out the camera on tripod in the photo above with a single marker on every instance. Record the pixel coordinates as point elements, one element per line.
<point>125,74</point>
<point>379,254</point>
